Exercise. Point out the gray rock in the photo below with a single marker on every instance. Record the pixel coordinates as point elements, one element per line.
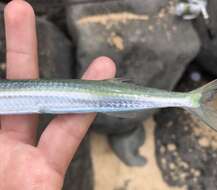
<point>148,44</point>
<point>55,52</point>
<point>47,7</point>
<point>207,32</point>
<point>52,10</point>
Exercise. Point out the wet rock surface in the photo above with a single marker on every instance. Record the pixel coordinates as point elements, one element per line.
<point>186,149</point>
<point>127,31</point>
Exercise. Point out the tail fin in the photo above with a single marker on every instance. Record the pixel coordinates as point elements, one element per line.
<point>207,111</point>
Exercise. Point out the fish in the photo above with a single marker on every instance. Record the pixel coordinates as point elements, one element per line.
<point>115,97</point>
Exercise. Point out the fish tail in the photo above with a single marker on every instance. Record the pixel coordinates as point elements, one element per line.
<point>204,102</point>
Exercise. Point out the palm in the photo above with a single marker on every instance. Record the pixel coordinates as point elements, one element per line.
<point>24,163</point>
<point>25,166</point>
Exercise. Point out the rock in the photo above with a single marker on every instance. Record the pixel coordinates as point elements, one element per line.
<point>186,148</point>
<point>47,7</point>
<point>148,44</point>
<point>53,10</point>
<point>207,32</point>
<point>55,52</point>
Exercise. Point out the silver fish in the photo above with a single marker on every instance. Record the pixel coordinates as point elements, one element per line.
<point>107,96</point>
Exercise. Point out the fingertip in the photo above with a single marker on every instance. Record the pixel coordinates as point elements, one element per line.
<point>104,63</point>
<point>101,68</point>
<point>21,40</point>
<point>17,10</point>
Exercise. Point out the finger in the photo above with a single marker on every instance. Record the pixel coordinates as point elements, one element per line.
<point>21,62</point>
<point>66,132</point>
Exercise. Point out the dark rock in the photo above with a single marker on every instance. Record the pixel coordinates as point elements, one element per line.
<point>55,52</point>
<point>186,150</point>
<point>53,10</point>
<point>47,7</point>
<point>207,32</point>
<point>148,44</point>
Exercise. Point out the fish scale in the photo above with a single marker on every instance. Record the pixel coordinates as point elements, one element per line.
<point>82,96</point>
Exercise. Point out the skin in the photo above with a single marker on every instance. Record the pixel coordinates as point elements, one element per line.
<point>25,164</point>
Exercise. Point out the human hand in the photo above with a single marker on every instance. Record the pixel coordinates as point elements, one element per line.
<point>23,164</point>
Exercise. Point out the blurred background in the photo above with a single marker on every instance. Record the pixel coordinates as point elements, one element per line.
<point>163,149</point>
